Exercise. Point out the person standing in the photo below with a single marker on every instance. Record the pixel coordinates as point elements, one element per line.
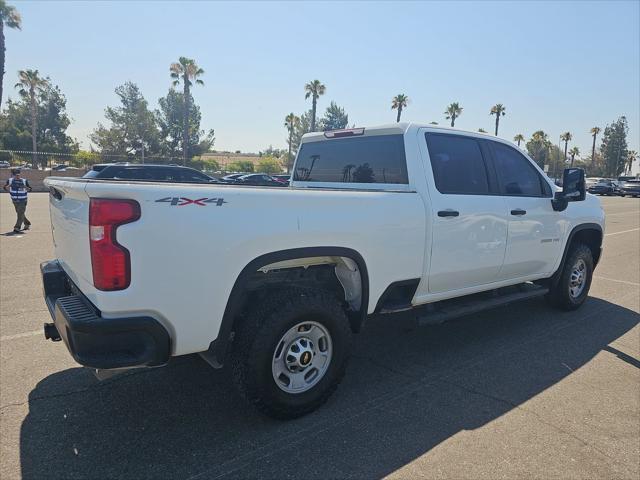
<point>18,188</point>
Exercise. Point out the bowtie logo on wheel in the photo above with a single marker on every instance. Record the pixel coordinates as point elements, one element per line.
<point>183,201</point>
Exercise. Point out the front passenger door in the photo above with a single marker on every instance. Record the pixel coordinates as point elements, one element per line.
<point>535,229</point>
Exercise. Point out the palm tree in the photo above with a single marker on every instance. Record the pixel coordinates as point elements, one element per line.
<point>314,89</point>
<point>573,152</point>
<point>594,132</point>
<point>30,84</point>
<point>498,110</point>
<point>10,17</point>
<point>452,112</point>
<point>291,121</point>
<point>399,102</point>
<point>632,155</point>
<point>185,70</point>
<point>518,138</point>
<point>566,138</point>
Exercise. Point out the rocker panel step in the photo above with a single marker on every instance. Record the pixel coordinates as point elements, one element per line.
<point>444,310</point>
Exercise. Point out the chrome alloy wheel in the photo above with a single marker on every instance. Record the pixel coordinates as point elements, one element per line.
<point>578,278</point>
<point>302,357</point>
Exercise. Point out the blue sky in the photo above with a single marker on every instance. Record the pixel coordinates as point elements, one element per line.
<point>557,66</point>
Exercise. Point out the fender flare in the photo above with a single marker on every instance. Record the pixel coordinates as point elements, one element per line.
<point>578,228</point>
<point>218,348</point>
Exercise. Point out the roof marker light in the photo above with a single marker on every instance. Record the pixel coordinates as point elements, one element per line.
<point>347,132</point>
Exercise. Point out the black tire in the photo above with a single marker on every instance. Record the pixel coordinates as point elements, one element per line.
<point>560,296</point>
<point>259,334</point>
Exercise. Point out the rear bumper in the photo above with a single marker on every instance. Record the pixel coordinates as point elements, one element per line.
<point>92,340</point>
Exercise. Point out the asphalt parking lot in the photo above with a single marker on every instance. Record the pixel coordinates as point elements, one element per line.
<point>520,392</point>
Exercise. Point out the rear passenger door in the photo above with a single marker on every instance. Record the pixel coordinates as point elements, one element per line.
<point>535,229</point>
<point>469,227</point>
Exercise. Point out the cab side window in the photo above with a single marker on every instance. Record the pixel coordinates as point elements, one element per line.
<point>458,165</point>
<point>516,175</point>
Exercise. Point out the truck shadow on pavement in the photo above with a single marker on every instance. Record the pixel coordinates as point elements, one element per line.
<point>407,390</point>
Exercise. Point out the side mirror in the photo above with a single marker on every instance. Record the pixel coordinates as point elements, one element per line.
<point>573,189</point>
<point>573,185</point>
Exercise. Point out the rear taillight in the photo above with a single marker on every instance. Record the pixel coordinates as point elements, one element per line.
<point>110,260</point>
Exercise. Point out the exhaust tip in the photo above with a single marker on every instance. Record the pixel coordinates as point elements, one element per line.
<point>51,332</point>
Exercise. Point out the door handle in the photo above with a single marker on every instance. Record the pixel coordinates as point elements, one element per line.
<point>448,213</point>
<point>518,211</point>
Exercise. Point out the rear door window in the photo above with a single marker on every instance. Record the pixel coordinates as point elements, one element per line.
<point>372,159</point>
<point>458,165</point>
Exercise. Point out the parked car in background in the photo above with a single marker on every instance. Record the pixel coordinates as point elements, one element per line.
<point>260,179</point>
<point>591,181</point>
<point>630,187</point>
<point>147,172</point>
<point>282,178</point>
<point>605,187</point>
<point>5,165</point>
<point>232,177</point>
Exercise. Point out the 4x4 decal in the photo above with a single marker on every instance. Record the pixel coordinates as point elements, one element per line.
<point>201,202</point>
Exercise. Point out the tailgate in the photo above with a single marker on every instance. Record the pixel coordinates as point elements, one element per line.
<point>69,209</point>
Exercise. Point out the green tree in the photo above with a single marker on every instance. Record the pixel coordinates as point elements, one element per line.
<point>291,122</point>
<point>30,85</point>
<point>10,18</point>
<point>170,118</point>
<point>241,166</point>
<point>399,102</point>
<point>334,118</point>
<point>133,126</point>
<point>614,147</point>
<point>187,71</point>
<point>632,155</point>
<point>594,133</point>
<point>566,137</point>
<point>452,112</point>
<point>518,138</point>
<point>303,126</point>
<point>314,89</point>
<point>498,110</point>
<point>269,165</point>
<point>206,164</point>
<point>575,151</point>
<point>538,148</point>
<point>84,158</point>
<point>51,130</point>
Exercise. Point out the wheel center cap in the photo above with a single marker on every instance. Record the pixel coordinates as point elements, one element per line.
<point>305,358</point>
<point>300,355</point>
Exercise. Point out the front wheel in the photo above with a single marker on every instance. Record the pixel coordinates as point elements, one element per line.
<point>291,351</point>
<point>573,286</point>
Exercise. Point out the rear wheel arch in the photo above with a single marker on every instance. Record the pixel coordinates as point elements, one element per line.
<point>351,273</point>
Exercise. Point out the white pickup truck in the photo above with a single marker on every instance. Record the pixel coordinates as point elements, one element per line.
<point>273,281</point>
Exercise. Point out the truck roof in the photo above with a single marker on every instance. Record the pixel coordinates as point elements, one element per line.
<point>388,129</point>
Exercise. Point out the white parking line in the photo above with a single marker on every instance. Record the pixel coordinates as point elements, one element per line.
<point>624,231</point>
<point>635,284</point>
<point>20,335</point>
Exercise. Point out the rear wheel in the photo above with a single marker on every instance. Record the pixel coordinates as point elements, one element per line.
<point>573,286</point>
<point>291,351</point>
